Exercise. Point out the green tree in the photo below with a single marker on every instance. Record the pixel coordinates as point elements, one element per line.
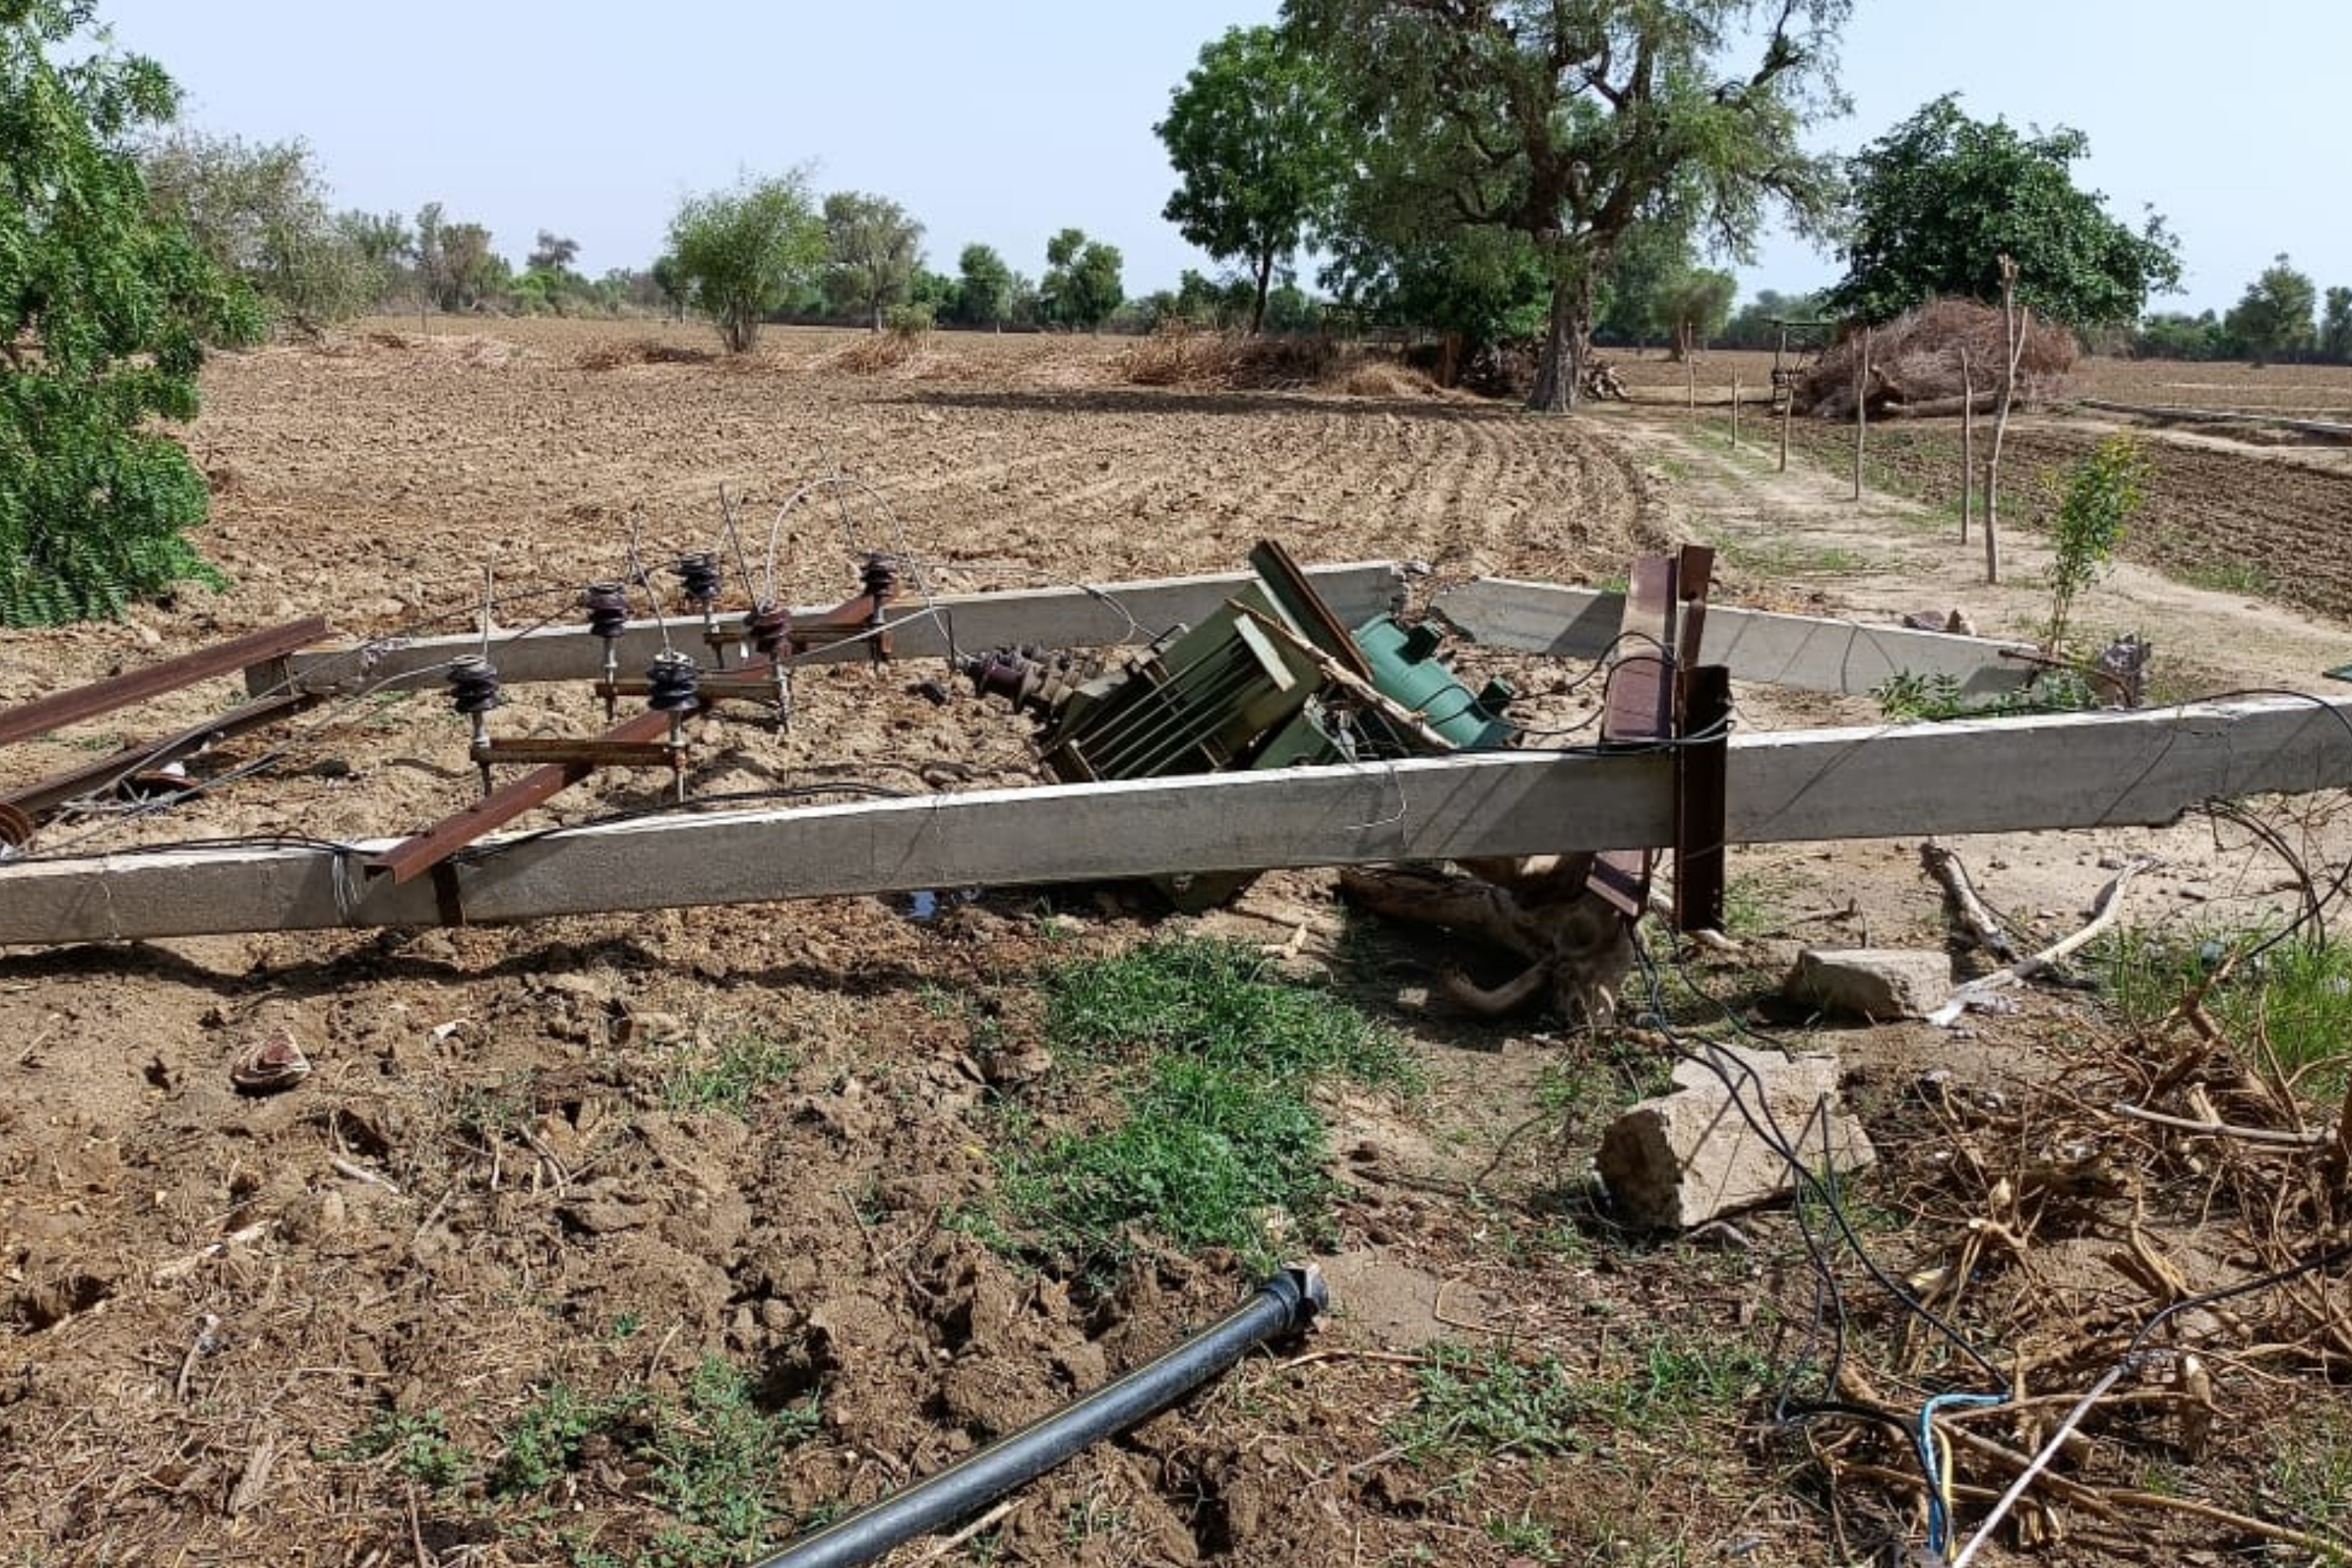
<point>1755,325</point>
<point>1082,285</point>
<point>1692,307</point>
<point>109,308</point>
<point>1483,285</point>
<point>1568,122</point>
<point>2177,334</point>
<point>2274,316</point>
<point>1941,198</point>
<point>2335,328</point>
<point>455,262</point>
<point>1652,254</point>
<point>554,254</point>
<point>983,287</point>
<point>260,212</point>
<point>741,255</point>
<point>383,240</point>
<point>1254,135</point>
<point>873,251</point>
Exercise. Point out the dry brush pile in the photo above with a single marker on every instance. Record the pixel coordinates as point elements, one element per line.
<point>1926,361</point>
<point>2119,1284</point>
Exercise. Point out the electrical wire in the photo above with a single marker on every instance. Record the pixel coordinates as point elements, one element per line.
<point>2131,1362</point>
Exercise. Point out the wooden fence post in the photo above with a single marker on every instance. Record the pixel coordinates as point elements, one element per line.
<point>1967,441</point>
<point>1860,409</point>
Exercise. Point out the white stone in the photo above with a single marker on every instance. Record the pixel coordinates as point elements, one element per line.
<point>1692,1156</point>
<point>1873,983</point>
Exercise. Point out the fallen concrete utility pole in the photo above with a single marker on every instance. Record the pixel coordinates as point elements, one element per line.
<point>2051,771</point>
<point>1808,653</point>
<point>1050,617</point>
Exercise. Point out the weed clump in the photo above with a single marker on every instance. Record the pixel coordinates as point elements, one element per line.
<point>1219,1143</point>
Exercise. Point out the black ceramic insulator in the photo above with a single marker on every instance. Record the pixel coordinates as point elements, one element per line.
<point>881,578</point>
<point>608,609</point>
<point>473,685</point>
<point>673,682</point>
<point>698,575</point>
<point>767,626</point>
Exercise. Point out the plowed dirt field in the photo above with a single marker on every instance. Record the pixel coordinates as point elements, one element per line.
<point>568,1220</point>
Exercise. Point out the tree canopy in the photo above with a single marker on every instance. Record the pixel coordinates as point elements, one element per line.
<point>873,249</point>
<point>1941,198</point>
<point>1568,122</point>
<point>2275,316</point>
<point>1082,285</point>
<point>109,309</point>
<point>260,212</point>
<point>983,287</point>
<point>740,255</point>
<point>1254,135</point>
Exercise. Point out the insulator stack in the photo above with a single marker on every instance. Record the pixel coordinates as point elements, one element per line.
<point>474,685</point>
<point>767,626</point>
<point>674,680</point>
<point>698,576</point>
<point>880,580</point>
<point>1029,678</point>
<point>608,609</point>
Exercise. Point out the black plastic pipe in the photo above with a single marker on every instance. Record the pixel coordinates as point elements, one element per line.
<point>1284,1303</point>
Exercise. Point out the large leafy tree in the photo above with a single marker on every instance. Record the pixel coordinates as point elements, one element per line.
<point>454,261</point>
<point>260,211</point>
<point>1567,121</point>
<point>1650,257</point>
<point>873,249</point>
<point>1941,198</point>
<point>983,287</point>
<point>1254,134</point>
<point>741,255</point>
<point>1082,285</point>
<point>1693,306</point>
<point>109,309</point>
<point>2274,316</point>
<point>2335,327</point>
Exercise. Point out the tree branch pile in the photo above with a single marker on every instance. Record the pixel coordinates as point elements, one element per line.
<point>1916,369</point>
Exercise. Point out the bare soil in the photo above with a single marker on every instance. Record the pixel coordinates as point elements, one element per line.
<point>486,1187</point>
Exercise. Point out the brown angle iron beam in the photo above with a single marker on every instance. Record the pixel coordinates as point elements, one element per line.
<point>63,708</point>
<point>412,856</point>
<point>36,799</point>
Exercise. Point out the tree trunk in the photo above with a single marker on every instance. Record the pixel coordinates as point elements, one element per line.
<point>1567,343</point>
<point>1264,286</point>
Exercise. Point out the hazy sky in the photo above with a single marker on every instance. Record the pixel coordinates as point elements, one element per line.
<point>1005,122</point>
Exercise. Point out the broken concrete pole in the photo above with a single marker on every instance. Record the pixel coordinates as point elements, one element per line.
<point>1690,1156</point>
<point>1871,982</point>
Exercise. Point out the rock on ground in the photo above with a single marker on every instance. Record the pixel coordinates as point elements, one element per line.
<point>1871,982</point>
<point>1690,1156</point>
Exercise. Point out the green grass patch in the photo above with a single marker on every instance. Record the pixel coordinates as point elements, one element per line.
<point>1790,558</point>
<point>1479,1401</point>
<point>418,1446</point>
<point>1213,1057</point>
<point>2296,994</point>
<point>1222,1002</point>
<point>712,1450</point>
<point>1906,698</point>
<point>2312,1476</point>
<point>728,1078</point>
<point>2228,577</point>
